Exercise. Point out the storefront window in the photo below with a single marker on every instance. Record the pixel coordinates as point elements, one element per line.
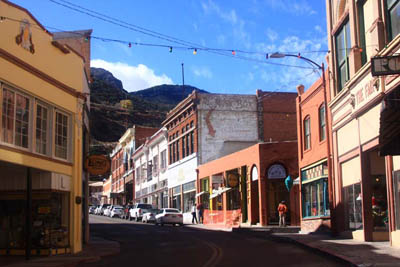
<point>50,225</point>
<point>379,203</point>
<point>233,199</point>
<point>189,196</point>
<point>396,189</point>
<point>315,198</point>
<point>176,197</point>
<point>353,206</point>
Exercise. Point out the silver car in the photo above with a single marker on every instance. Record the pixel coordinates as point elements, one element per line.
<point>150,216</point>
<point>116,211</point>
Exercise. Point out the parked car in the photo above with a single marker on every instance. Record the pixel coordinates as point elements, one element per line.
<point>125,212</point>
<point>107,210</point>
<point>116,211</point>
<point>169,216</point>
<point>150,216</point>
<point>102,208</point>
<point>92,209</point>
<point>137,211</point>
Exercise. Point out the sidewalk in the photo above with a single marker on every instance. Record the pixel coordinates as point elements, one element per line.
<point>355,253</point>
<point>94,251</point>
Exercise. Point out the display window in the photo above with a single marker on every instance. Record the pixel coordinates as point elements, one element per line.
<point>353,206</point>
<point>315,198</point>
<point>50,221</point>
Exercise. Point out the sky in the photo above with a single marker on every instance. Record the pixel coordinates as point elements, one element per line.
<point>215,28</point>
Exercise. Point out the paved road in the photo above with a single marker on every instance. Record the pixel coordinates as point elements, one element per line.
<point>150,245</point>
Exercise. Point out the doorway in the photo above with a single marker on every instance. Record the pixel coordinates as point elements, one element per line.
<point>277,192</point>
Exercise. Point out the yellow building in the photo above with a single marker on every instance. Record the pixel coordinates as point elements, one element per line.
<point>43,85</point>
<point>365,111</point>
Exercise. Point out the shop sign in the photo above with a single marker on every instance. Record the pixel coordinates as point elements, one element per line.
<point>233,180</point>
<point>44,210</point>
<point>364,92</point>
<point>385,65</point>
<point>97,164</point>
<point>276,171</point>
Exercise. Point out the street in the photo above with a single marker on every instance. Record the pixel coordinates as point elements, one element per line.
<point>150,245</point>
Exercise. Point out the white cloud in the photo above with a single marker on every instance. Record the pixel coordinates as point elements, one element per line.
<point>295,7</point>
<point>133,77</point>
<point>204,72</point>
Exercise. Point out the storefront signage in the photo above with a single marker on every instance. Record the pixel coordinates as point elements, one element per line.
<point>276,171</point>
<point>44,210</point>
<point>364,92</point>
<point>233,179</point>
<point>385,65</point>
<point>97,164</point>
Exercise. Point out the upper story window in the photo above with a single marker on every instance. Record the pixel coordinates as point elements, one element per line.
<point>155,164</point>
<point>362,9</point>
<point>343,46</point>
<point>163,159</point>
<point>322,123</point>
<point>393,14</point>
<point>42,129</point>
<point>15,118</point>
<point>307,133</point>
<point>61,135</point>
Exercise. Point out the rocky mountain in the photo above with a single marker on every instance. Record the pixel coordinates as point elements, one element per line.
<point>110,116</point>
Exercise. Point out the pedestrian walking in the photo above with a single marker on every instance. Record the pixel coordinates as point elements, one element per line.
<point>200,210</point>
<point>194,217</point>
<point>282,209</point>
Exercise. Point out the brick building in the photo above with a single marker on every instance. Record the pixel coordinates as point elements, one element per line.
<point>246,185</point>
<point>364,108</point>
<point>313,150</point>
<point>122,176</point>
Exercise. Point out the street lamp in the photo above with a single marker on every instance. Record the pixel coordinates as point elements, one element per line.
<point>320,67</point>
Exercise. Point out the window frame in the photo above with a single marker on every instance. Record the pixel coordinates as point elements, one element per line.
<point>345,30</point>
<point>322,122</point>
<point>389,27</point>
<point>69,134</point>
<point>48,134</point>
<point>307,137</point>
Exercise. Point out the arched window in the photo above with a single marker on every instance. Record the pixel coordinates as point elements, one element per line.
<point>307,133</point>
<point>322,122</point>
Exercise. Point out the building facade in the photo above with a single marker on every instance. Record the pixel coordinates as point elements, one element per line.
<point>150,161</point>
<point>42,125</point>
<point>367,198</point>
<point>313,126</point>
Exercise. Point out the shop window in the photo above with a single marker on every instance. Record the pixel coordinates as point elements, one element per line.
<point>233,199</point>
<point>396,189</point>
<point>343,46</point>
<point>15,118</point>
<point>176,197</point>
<point>61,135</point>
<point>307,133</point>
<point>322,123</point>
<point>353,206</point>
<point>315,198</point>
<point>393,14</point>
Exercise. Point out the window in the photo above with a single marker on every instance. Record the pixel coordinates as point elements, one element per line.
<point>187,145</point>
<point>163,159</point>
<point>307,134</point>
<point>361,22</point>
<point>396,192</point>
<point>155,164</point>
<point>322,123</point>
<point>183,147</point>
<point>15,118</point>
<point>42,126</point>
<point>191,143</point>
<point>353,206</point>
<point>177,149</point>
<point>137,174</point>
<point>170,154</point>
<point>343,46</point>
<point>315,198</point>
<point>61,135</point>
<point>393,14</point>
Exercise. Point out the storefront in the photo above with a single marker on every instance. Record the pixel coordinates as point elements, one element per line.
<point>246,187</point>
<point>49,205</point>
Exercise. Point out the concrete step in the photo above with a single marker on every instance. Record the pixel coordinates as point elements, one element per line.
<point>268,229</point>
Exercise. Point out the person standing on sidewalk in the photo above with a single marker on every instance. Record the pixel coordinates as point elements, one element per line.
<point>194,217</point>
<point>282,209</point>
<point>200,210</point>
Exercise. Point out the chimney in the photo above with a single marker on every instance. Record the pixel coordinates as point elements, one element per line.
<point>300,89</point>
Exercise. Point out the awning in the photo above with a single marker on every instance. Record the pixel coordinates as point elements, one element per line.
<point>296,181</point>
<point>219,191</point>
<point>389,130</point>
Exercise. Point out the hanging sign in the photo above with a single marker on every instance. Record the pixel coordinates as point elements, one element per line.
<point>289,183</point>
<point>97,164</point>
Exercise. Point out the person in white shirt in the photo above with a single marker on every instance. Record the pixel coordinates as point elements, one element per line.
<point>194,217</point>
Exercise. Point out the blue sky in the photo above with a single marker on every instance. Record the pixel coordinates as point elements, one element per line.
<point>260,26</point>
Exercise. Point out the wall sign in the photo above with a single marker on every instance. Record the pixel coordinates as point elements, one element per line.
<point>97,164</point>
<point>276,171</point>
